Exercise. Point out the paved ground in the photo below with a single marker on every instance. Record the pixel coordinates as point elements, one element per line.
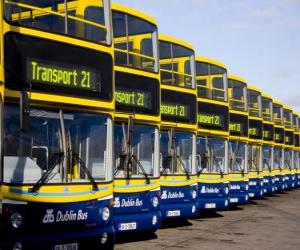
<point>271,223</point>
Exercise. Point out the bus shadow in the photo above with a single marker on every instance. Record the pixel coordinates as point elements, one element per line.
<point>175,223</point>
<point>209,215</point>
<point>134,237</point>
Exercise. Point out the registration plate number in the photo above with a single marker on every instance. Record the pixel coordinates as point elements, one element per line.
<point>127,226</point>
<point>251,194</point>
<point>210,205</point>
<point>70,246</point>
<point>173,213</point>
<point>234,200</point>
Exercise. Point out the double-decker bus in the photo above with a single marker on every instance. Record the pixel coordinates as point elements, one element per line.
<point>137,119</point>
<point>296,124</point>
<point>288,147</point>
<point>278,151</point>
<point>268,144</point>
<point>57,102</point>
<point>213,134</point>
<point>254,160</point>
<point>178,129</point>
<point>237,152</point>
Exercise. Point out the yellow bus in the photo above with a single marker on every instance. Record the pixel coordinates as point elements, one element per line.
<point>237,152</point>
<point>288,147</point>
<point>296,123</point>
<point>268,144</point>
<point>213,134</point>
<point>255,143</point>
<point>137,120</point>
<point>178,129</point>
<point>278,151</point>
<point>57,106</point>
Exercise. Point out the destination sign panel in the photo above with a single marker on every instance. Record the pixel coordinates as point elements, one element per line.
<point>238,125</point>
<point>137,94</point>
<point>255,129</point>
<point>268,132</point>
<point>289,138</point>
<point>69,76</point>
<point>46,66</point>
<point>279,135</point>
<point>211,116</point>
<point>178,107</point>
<point>296,140</point>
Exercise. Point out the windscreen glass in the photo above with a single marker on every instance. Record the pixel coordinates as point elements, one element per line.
<point>237,157</point>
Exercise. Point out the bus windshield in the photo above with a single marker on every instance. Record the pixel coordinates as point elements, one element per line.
<point>67,17</point>
<point>237,156</point>
<point>142,150</point>
<point>278,157</point>
<point>177,65</point>
<point>135,42</point>
<point>296,159</point>
<point>237,95</point>
<point>212,153</point>
<point>176,152</point>
<point>288,159</point>
<point>254,156</point>
<point>267,157</point>
<point>28,155</point>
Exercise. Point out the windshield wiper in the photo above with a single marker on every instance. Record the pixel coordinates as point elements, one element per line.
<point>56,159</point>
<point>139,164</point>
<point>288,164</point>
<point>183,167</point>
<point>268,164</point>
<point>221,172</point>
<point>84,168</point>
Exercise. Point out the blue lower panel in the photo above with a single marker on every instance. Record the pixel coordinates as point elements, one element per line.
<point>84,238</point>
<point>186,210</point>
<point>216,203</point>
<point>269,189</point>
<point>143,222</point>
<point>236,199</point>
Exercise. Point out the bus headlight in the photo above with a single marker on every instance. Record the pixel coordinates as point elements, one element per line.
<point>154,220</point>
<point>105,213</point>
<point>155,202</point>
<point>247,187</point>
<point>16,220</point>
<point>104,238</point>
<point>226,190</point>
<point>194,194</point>
<point>17,246</point>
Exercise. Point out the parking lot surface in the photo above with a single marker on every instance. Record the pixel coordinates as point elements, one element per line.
<point>270,223</point>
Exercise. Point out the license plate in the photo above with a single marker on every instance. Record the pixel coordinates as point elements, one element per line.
<point>127,226</point>
<point>173,213</point>
<point>234,200</point>
<point>70,246</point>
<point>210,205</point>
<point>251,194</point>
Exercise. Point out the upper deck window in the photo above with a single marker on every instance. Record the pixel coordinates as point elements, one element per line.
<point>237,92</point>
<point>267,109</point>
<point>67,17</point>
<point>296,122</point>
<point>176,65</point>
<point>277,114</point>
<point>287,115</point>
<point>254,98</point>
<point>211,81</point>
<point>135,42</point>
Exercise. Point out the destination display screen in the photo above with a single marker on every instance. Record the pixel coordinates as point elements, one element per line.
<point>279,135</point>
<point>137,94</point>
<point>255,129</point>
<point>178,107</point>
<point>212,116</point>
<point>268,132</point>
<point>238,125</point>
<point>296,140</point>
<point>36,64</point>
<point>289,138</point>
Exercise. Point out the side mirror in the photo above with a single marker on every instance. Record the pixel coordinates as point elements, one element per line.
<point>24,111</point>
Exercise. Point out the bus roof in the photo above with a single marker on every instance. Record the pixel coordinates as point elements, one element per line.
<point>278,102</point>
<point>211,61</point>
<point>133,12</point>
<point>253,88</point>
<point>267,96</point>
<point>167,38</point>
<point>238,78</point>
<point>288,108</point>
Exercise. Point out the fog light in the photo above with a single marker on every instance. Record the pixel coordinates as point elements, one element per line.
<point>16,220</point>
<point>194,194</point>
<point>17,246</point>
<point>193,209</point>
<point>226,190</point>
<point>105,213</point>
<point>246,198</point>
<point>154,220</point>
<point>247,187</point>
<point>104,238</point>
<point>261,192</point>
<point>155,202</point>
<point>226,203</point>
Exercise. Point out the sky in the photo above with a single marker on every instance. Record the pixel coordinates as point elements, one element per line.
<point>258,40</point>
